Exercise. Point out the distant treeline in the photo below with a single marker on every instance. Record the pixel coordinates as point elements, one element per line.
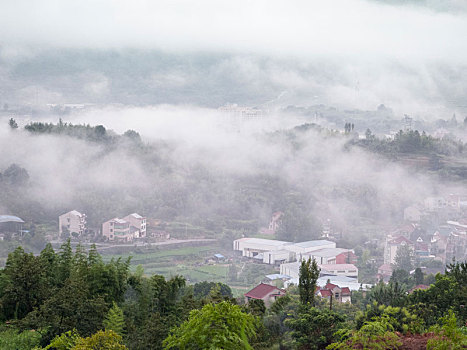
<point>82,131</point>
<point>411,142</point>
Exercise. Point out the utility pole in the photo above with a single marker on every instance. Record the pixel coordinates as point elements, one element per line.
<point>330,302</point>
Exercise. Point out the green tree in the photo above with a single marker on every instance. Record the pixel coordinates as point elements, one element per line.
<point>388,294</point>
<point>233,272</point>
<point>13,124</point>
<point>308,276</point>
<point>375,335</point>
<point>447,336</point>
<point>102,340</point>
<point>64,341</point>
<point>256,307</point>
<point>215,326</point>
<point>313,328</point>
<point>419,276</point>
<point>12,339</point>
<point>404,258</point>
<point>402,277</point>
<point>114,320</point>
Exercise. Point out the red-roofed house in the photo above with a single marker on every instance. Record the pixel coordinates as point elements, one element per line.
<point>419,287</point>
<point>341,295</point>
<point>265,292</point>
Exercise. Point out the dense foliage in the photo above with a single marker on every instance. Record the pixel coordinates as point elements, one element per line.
<point>71,299</point>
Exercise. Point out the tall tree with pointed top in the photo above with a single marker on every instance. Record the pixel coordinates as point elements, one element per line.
<point>308,277</point>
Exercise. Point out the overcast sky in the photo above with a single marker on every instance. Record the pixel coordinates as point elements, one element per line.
<point>278,27</point>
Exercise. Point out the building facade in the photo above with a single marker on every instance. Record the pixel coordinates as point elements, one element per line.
<point>117,230</point>
<point>73,223</point>
<point>138,223</point>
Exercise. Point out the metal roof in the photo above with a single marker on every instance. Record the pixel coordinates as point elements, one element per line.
<point>315,243</point>
<point>270,242</point>
<point>10,218</point>
<point>328,252</point>
<point>277,276</point>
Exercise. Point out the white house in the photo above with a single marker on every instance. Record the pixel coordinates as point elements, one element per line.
<point>72,222</point>
<point>137,224</point>
<point>392,244</point>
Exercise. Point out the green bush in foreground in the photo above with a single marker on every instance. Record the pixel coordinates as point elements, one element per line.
<point>374,335</point>
<point>215,326</point>
<point>448,336</point>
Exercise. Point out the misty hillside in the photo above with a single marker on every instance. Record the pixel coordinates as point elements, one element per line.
<point>239,175</point>
<point>307,171</point>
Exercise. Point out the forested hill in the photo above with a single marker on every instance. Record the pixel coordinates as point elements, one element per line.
<point>230,191</point>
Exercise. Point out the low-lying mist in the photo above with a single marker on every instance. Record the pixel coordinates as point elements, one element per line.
<point>200,165</point>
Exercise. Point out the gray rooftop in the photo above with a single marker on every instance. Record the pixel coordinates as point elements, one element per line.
<point>316,243</point>
<point>10,218</point>
<point>328,252</point>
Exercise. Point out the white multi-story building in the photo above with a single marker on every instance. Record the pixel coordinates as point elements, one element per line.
<point>72,222</point>
<point>127,229</point>
<point>117,230</point>
<point>391,246</point>
<point>137,224</point>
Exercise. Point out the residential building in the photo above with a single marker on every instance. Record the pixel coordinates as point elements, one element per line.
<point>117,230</point>
<point>392,244</point>
<point>384,272</point>
<point>264,292</point>
<point>338,294</point>
<point>137,225</point>
<point>72,223</point>
<point>125,230</point>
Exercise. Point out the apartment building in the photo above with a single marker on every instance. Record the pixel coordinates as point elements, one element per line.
<point>137,225</point>
<point>73,223</point>
<point>125,230</point>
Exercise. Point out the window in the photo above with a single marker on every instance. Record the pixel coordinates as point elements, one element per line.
<point>111,230</point>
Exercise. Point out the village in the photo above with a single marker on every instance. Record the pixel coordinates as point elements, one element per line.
<point>433,234</point>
